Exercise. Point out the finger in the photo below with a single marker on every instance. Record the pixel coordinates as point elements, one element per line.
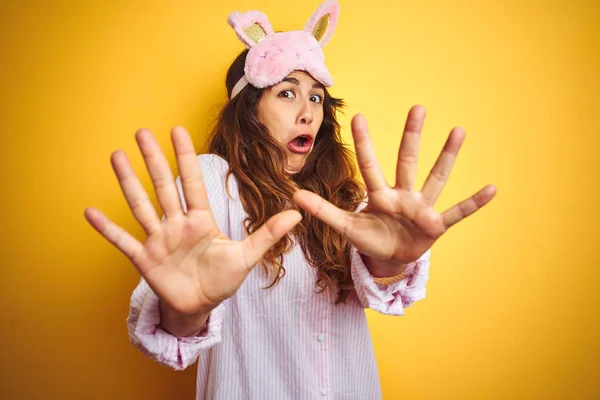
<point>408,153</point>
<point>465,208</point>
<point>120,238</point>
<point>160,172</point>
<point>257,244</point>
<point>192,181</point>
<point>440,172</point>
<point>137,198</point>
<point>323,210</point>
<point>365,153</point>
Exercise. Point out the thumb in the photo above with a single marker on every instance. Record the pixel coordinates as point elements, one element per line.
<point>256,245</point>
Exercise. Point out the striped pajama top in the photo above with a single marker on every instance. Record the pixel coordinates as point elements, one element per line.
<point>288,342</point>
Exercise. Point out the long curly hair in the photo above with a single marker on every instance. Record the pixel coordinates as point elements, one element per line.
<point>257,160</point>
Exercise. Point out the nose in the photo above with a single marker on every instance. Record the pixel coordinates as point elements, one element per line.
<point>306,112</point>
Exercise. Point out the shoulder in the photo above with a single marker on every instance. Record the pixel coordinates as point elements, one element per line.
<point>214,173</point>
<point>213,162</point>
<point>213,167</point>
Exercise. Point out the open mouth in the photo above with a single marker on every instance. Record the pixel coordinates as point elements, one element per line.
<point>301,144</point>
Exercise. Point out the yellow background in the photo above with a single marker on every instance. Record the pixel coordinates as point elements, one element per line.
<point>512,301</point>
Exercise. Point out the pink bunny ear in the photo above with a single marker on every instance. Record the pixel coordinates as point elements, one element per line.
<point>323,22</point>
<point>251,27</point>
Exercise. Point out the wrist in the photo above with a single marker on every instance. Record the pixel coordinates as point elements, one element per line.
<point>383,268</point>
<point>179,324</point>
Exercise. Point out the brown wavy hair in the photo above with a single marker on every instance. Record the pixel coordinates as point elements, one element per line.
<point>257,160</point>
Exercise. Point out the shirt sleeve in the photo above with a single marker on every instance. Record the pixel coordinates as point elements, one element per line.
<point>143,321</point>
<point>389,299</point>
<point>145,333</point>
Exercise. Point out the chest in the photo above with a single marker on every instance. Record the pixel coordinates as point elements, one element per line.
<point>298,283</point>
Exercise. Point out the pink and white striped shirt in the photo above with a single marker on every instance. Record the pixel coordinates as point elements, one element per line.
<point>287,343</point>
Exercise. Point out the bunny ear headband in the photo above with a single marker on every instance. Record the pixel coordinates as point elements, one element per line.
<point>272,56</point>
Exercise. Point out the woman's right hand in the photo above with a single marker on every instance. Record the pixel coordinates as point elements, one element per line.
<point>186,260</point>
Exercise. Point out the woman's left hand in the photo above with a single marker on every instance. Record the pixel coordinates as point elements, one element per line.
<point>399,223</point>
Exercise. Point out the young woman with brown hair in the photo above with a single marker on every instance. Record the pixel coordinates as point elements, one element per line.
<point>279,190</point>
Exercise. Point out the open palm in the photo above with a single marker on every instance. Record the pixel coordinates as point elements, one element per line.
<point>399,223</point>
<point>185,259</point>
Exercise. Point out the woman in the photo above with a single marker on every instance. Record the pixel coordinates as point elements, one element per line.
<point>293,328</point>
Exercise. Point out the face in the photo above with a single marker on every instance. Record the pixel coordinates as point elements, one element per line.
<point>292,110</point>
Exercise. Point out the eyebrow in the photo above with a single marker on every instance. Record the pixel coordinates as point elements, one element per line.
<point>295,81</point>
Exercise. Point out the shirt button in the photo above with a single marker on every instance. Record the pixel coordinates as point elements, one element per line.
<point>324,392</point>
<point>320,338</point>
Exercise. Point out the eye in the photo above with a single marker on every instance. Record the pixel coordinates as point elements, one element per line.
<point>286,91</point>
<point>319,97</point>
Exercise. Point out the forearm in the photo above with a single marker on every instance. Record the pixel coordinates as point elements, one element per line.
<point>382,268</point>
<point>181,325</point>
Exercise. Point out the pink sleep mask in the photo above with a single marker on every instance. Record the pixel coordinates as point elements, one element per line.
<point>272,56</point>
